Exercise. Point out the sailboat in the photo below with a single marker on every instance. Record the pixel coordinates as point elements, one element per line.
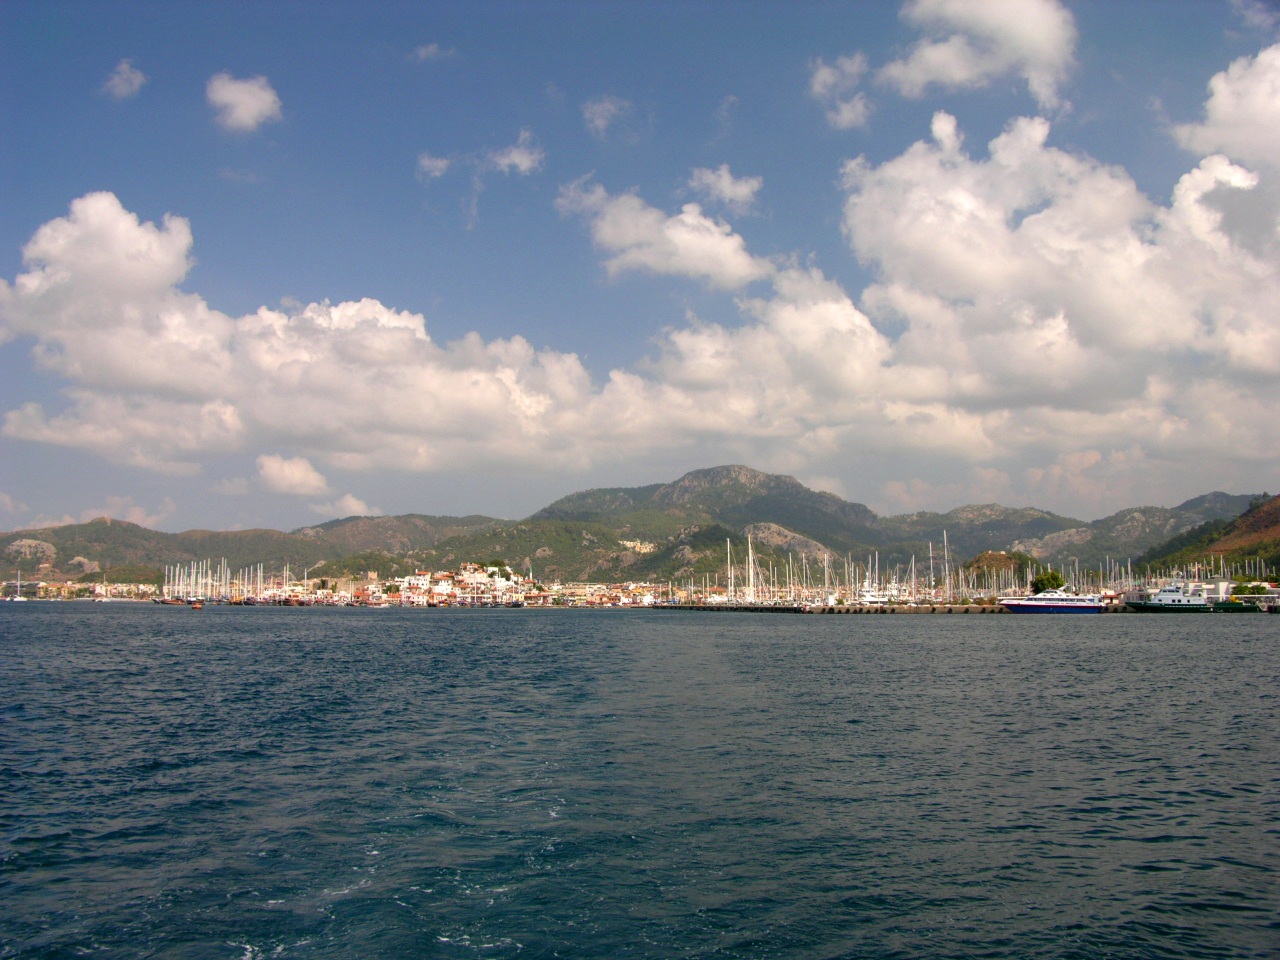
<point>18,597</point>
<point>106,590</point>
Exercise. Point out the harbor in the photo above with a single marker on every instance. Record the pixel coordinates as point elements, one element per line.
<point>744,582</point>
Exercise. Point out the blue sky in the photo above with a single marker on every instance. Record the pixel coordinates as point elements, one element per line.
<point>268,264</point>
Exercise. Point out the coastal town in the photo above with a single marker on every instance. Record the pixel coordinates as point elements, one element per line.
<point>470,585</point>
<point>744,588</point>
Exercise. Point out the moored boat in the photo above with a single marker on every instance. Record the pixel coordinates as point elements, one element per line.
<point>1054,601</point>
<point>1177,597</point>
<point>17,594</point>
<point>1234,605</point>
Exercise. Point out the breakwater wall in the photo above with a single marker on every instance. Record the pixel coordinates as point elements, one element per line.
<point>732,607</point>
<point>883,608</point>
<point>879,608</point>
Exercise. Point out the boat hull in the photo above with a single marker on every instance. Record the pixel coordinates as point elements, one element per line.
<point>1014,606</point>
<point>1145,606</point>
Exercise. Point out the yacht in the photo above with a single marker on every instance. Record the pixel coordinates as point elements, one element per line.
<point>1176,597</point>
<point>1054,601</point>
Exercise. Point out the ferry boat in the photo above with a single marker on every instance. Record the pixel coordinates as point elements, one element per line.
<point>1054,601</point>
<point>1177,597</point>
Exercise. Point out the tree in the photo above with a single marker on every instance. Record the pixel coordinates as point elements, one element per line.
<point>1049,580</point>
<point>1249,589</point>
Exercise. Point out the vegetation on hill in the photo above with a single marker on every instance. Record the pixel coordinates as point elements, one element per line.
<point>399,535</point>
<point>71,550</point>
<point>701,554</point>
<point>567,550</point>
<point>1189,545</point>
<point>1131,531</point>
<point>1243,542</point>
<point>992,562</point>
<point>382,564</point>
<point>129,573</point>
<point>664,531</point>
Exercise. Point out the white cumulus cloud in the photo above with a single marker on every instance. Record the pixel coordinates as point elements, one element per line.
<point>9,505</point>
<point>1035,326</point>
<point>522,157</point>
<point>125,81</point>
<point>117,508</point>
<point>834,85</point>
<point>292,475</point>
<point>124,508</point>
<point>1258,14</point>
<point>600,113</point>
<point>969,43</point>
<point>243,105</point>
<point>159,379</point>
<point>430,167</point>
<point>736,193</point>
<point>430,51</point>
<point>640,237</point>
<point>347,505</point>
<point>1043,295</point>
<point>1242,115</point>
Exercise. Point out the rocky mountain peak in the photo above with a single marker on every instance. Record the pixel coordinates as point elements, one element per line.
<point>697,482</point>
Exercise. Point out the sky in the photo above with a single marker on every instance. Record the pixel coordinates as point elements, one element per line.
<point>269,264</point>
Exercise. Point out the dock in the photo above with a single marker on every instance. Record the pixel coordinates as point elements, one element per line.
<point>878,608</point>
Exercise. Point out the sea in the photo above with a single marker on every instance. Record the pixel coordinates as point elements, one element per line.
<point>246,783</point>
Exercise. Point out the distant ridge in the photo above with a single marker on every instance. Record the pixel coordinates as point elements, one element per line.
<point>732,489</point>
<point>78,548</point>
<point>1258,527</point>
<point>1135,530</point>
<point>657,530</point>
<point>1253,534</point>
<point>401,534</point>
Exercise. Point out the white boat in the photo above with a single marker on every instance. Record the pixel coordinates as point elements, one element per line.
<point>17,596</point>
<point>1054,601</point>
<point>1176,597</point>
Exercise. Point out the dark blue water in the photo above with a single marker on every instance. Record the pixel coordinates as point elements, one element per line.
<point>251,783</point>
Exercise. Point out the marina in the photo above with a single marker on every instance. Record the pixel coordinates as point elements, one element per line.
<point>745,585</point>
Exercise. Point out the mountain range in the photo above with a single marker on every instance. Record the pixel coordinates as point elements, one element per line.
<point>658,531</point>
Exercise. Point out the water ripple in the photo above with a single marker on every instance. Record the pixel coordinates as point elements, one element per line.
<point>252,783</point>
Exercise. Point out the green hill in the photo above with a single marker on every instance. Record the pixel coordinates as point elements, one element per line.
<point>1243,540</point>
<point>75,549</point>
<point>1132,532</point>
<point>399,535</point>
<point>657,531</point>
<point>72,550</point>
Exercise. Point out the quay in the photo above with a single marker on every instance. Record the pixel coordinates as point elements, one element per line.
<point>982,608</point>
<point>732,607</point>
<point>878,608</point>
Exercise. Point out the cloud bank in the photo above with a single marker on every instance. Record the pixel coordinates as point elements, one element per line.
<point>1036,329</point>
